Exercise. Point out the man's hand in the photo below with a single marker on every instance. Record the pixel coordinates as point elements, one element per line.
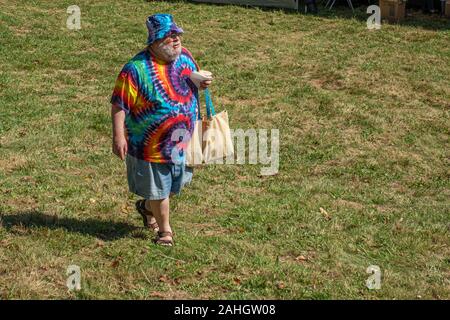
<point>120,147</point>
<point>205,84</point>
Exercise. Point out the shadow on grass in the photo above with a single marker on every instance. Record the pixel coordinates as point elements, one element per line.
<point>104,230</point>
<point>341,11</point>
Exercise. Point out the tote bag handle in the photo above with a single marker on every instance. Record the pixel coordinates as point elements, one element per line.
<point>209,106</point>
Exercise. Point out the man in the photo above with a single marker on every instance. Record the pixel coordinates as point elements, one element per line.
<point>153,99</point>
<point>311,6</point>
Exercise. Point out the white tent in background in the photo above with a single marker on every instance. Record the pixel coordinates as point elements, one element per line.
<point>289,4</point>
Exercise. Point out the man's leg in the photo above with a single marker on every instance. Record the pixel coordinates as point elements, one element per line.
<point>149,208</point>
<point>160,210</point>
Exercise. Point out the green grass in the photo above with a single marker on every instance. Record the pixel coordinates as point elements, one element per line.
<point>364,127</point>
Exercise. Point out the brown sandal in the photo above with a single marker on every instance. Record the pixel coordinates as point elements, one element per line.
<point>161,242</point>
<point>146,215</point>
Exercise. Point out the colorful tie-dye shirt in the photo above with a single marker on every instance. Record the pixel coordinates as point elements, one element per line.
<point>158,99</point>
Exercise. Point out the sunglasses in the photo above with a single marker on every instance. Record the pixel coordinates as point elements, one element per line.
<point>174,36</point>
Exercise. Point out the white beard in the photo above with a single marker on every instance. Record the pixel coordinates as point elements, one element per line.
<point>167,52</point>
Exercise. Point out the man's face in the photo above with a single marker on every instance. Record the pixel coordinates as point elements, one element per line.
<point>168,48</point>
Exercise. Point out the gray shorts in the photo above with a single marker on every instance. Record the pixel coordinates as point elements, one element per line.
<point>155,181</point>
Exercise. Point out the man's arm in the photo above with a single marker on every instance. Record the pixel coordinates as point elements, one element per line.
<point>119,143</point>
<point>204,84</point>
